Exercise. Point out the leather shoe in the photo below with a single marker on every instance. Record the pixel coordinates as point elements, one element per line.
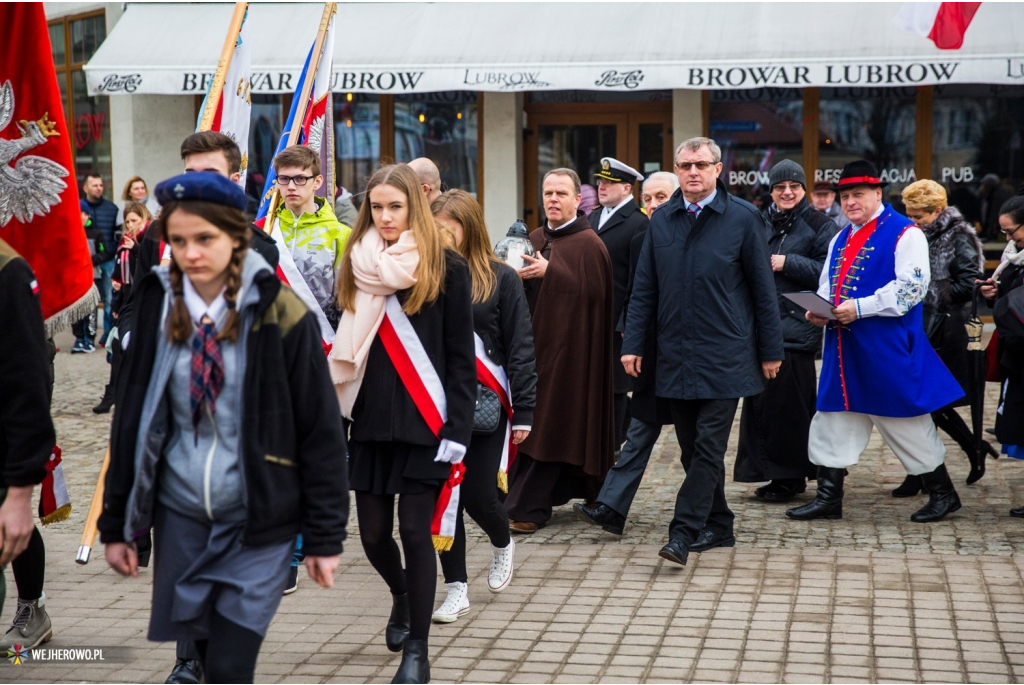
<point>675,551</point>
<point>415,666</point>
<point>600,515</point>
<point>780,491</point>
<point>524,527</point>
<point>186,671</point>
<point>1018,512</point>
<point>709,540</point>
<point>911,486</point>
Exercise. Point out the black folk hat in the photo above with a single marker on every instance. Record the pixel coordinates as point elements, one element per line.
<point>859,172</point>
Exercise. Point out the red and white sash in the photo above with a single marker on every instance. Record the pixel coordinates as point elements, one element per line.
<point>492,376</point>
<point>54,501</point>
<point>418,375</point>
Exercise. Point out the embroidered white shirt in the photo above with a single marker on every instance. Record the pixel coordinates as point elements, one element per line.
<point>907,289</point>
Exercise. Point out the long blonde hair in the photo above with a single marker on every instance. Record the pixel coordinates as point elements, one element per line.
<point>429,243</point>
<point>476,244</point>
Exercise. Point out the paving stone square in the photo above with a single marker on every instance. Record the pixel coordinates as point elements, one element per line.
<point>872,597</point>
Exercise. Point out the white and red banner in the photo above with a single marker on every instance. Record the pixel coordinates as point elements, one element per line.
<point>943,23</point>
<point>289,274</point>
<point>234,106</point>
<point>318,124</point>
<point>54,501</point>
<point>492,376</point>
<point>424,385</point>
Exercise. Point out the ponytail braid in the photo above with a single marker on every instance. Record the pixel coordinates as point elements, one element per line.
<point>230,330</point>
<point>179,329</point>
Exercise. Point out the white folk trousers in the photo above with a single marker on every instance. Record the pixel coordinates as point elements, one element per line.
<point>837,439</point>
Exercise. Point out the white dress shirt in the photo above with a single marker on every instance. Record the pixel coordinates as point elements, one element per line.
<point>607,213</point>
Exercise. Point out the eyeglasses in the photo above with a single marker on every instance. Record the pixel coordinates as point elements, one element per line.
<point>299,180</point>
<point>787,187</point>
<point>701,166</point>
<point>1012,230</point>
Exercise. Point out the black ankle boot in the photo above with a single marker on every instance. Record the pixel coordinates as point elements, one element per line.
<point>106,402</point>
<point>942,497</point>
<point>911,486</point>
<point>398,624</point>
<point>415,666</point>
<point>828,503</point>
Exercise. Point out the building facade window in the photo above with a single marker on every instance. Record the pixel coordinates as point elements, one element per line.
<point>73,41</point>
<point>357,135</point>
<point>756,129</point>
<point>877,124</point>
<point>265,124</point>
<point>978,148</point>
<point>443,127</point>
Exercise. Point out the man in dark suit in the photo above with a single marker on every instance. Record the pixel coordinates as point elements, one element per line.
<point>616,222</point>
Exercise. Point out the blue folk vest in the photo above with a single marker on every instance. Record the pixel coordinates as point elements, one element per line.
<point>879,365</point>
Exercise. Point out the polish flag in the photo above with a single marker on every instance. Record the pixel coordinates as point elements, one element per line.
<point>944,23</point>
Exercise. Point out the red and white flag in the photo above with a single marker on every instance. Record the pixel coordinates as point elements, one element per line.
<point>54,501</point>
<point>492,376</point>
<point>944,23</point>
<point>424,385</point>
<point>234,105</point>
<point>39,212</point>
<point>318,123</point>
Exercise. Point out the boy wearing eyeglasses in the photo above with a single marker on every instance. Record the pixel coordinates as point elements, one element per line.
<point>312,233</point>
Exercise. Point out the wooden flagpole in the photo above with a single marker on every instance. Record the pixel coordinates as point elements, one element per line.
<point>226,52</point>
<point>93,517</point>
<point>307,86</point>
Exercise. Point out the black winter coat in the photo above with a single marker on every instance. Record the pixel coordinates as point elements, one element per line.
<point>26,429</point>
<point>384,410</point>
<point>645,404</point>
<point>104,216</point>
<point>945,317</point>
<point>617,234</point>
<point>803,235</point>
<point>503,323</point>
<point>709,285</point>
<point>292,443</point>
<point>1010,325</point>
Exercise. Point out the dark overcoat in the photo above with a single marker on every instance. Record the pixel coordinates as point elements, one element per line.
<point>617,234</point>
<point>709,285</point>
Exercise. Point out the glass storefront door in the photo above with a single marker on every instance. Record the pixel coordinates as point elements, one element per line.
<point>578,140</point>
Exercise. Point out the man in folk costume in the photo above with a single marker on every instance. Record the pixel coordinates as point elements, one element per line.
<point>617,221</point>
<point>569,288</point>
<point>878,368</point>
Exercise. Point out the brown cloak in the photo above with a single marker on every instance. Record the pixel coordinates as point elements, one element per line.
<point>572,332</point>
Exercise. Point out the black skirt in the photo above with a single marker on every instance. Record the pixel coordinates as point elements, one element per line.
<point>775,424</point>
<point>394,468</point>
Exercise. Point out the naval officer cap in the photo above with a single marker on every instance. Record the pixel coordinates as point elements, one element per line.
<point>615,171</point>
<point>202,186</point>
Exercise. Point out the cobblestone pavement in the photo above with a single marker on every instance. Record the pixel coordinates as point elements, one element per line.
<point>871,597</point>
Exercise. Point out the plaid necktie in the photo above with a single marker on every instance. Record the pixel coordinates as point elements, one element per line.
<point>694,211</point>
<point>207,372</point>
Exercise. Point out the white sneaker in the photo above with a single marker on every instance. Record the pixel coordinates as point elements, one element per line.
<point>500,574</point>
<point>455,605</point>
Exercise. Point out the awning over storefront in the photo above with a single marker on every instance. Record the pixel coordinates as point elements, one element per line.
<point>168,48</point>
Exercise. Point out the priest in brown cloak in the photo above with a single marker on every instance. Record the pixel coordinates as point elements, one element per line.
<point>569,287</point>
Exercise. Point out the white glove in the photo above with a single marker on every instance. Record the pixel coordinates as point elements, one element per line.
<point>450,452</point>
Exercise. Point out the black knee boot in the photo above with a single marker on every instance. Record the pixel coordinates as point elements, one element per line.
<point>106,402</point>
<point>828,503</point>
<point>397,631</point>
<point>950,422</point>
<point>910,486</point>
<point>415,666</point>
<point>942,497</point>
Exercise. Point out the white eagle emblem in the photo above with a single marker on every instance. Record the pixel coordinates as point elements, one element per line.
<point>31,185</point>
<point>316,133</point>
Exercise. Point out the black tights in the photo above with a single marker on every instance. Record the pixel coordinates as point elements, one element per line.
<point>30,568</point>
<point>376,515</point>
<point>479,499</point>
<point>230,653</point>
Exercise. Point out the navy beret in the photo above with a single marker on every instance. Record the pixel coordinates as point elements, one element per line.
<point>202,186</point>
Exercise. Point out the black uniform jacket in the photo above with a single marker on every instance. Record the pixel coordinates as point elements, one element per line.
<point>617,234</point>
<point>503,323</point>
<point>384,410</point>
<point>26,430</point>
<point>293,448</point>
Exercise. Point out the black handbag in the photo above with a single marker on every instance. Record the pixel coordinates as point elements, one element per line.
<point>488,411</point>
